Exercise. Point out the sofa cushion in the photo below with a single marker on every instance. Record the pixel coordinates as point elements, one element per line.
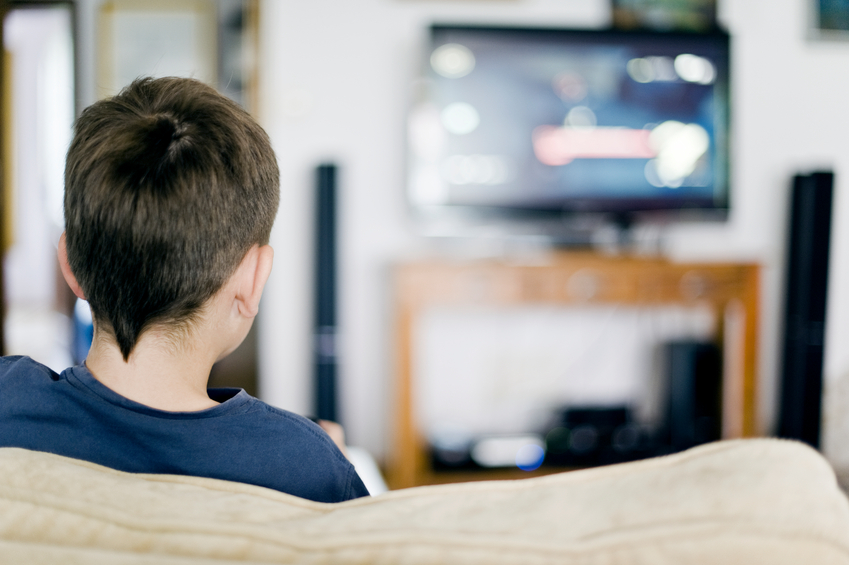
<point>743,501</point>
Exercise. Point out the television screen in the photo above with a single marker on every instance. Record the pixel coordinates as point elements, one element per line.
<point>564,121</point>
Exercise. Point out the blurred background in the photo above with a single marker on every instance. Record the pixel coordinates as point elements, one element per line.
<point>335,81</point>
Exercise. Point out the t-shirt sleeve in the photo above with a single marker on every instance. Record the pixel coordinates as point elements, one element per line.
<point>356,487</point>
<point>306,461</point>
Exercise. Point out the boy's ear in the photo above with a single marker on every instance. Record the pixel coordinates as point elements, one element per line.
<point>62,254</point>
<point>253,273</point>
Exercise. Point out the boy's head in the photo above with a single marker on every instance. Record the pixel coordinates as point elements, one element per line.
<point>167,186</point>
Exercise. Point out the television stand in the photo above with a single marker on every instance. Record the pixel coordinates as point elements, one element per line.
<point>731,290</point>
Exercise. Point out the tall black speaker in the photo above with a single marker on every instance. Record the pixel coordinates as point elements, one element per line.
<point>694,408</point>
<point>804,307</point>
<point>324,350</point>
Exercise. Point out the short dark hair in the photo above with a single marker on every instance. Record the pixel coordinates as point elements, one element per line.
<point>167,185</point>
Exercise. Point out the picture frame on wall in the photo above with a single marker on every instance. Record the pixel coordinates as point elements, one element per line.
<point>213,41</point>
<point>156,38</point>
<point>830,19</point>
<point>665,15</point>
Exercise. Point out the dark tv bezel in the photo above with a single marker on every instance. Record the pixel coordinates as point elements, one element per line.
<point>618,209</point>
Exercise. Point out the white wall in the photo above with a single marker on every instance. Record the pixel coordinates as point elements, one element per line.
<point>334,86</point>
<point>351,63</point>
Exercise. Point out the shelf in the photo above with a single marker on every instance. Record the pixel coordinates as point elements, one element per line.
<point>731,290</point>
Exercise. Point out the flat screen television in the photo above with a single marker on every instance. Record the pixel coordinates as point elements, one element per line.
<point>557,123</point>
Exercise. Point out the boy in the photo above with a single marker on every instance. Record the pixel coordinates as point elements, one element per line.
<point>170,194</point>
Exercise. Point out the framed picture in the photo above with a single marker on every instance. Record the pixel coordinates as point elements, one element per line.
<point>665,15</point>
<point>830,18</point>
<point>156,38</point>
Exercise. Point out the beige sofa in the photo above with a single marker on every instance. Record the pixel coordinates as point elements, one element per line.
<point>748,502</point>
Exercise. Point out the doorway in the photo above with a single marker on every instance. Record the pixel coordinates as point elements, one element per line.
<point>38,113</point>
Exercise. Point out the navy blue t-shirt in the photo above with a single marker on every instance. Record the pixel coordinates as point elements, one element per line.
<point>242,439</point>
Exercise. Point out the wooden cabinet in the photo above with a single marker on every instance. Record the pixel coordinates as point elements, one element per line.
<point>730,289</point>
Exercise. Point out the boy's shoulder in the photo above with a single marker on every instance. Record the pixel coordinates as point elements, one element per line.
<point>299,432</point>
<point>10,363</point>
<point>25,375</point>
<point>256,443</point>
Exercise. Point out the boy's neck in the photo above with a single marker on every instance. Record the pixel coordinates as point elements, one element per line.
<point>157,374</point>
<point>169,370</point>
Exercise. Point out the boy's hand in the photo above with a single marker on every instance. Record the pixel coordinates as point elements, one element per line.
<point>336,433</point>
